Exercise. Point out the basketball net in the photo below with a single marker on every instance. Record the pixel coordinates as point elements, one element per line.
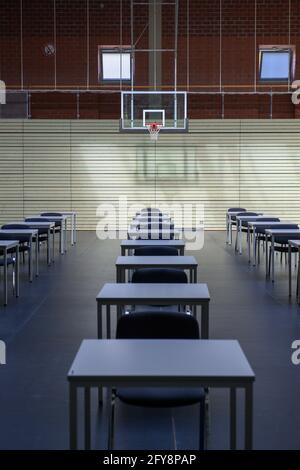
<point>154,128</point>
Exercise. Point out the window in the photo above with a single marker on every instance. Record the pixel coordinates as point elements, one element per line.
<point>276,63</point>
<point>114,64</point>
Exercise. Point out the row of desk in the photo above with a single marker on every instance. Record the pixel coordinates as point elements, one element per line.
<point>111,363</point>
<point>67,219</point>
<point>254,222</point>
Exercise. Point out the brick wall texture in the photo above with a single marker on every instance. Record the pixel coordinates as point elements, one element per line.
<point>218,44</point>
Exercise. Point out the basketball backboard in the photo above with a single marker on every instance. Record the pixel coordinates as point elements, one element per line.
<point>166,108</point>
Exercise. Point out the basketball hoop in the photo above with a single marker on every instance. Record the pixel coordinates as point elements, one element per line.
<point>154,128</point>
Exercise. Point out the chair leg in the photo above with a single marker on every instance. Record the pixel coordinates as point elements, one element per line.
<point>14,278</point>
<point>111,420</point>
<point>202,425</point>
<point>269,267</point>
<point>258,251</point>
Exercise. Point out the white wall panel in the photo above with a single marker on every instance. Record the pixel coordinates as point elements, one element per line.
<point>79,165</point>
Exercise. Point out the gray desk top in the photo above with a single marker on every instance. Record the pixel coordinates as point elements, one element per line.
<point>130,292</point>
<point>295,243</point>
<point>262,223</point>
<point>246,218</point>
<point>64,213</point>
<point>50,217</point>
<point>151,261</point>
<point>138,243</point>
<point>40,224</point>
<point>143,361</point>
<point>8,243</point>
<point>19,231</point>
<point>283,231</point>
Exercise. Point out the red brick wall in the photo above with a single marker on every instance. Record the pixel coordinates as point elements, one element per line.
<point>221,40</point>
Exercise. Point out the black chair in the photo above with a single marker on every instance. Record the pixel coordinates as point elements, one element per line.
<point>244,224</point>
<point>281,241</point>
<point>156,251</point>
<point>158,326</point>
<point>260,232</point>
<point>159,276</point>
<point>58,223</point>
<point>162,230</point>
<point>11,261</point>
<point>24,246</point>
<point>23,239</point>
<point>42,232</point>
<point>235,209</point>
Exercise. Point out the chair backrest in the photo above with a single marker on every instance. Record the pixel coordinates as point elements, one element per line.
<point>20,238</point>
<point>51,214</point>
<point>283,239</point>
<point>237,209</point>
<point>14,227</point>
<point>156,251</point>
<point>269,219</point>
<point>159,275</point>
<point>161,230</point>
<point>157,325</point>
<point>247,214</point>
<point>242,212</point>
<point>261,228</point>
<point>37,219</point>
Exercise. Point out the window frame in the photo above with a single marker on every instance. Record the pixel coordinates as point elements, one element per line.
<point>277,49</point>
<point>117,50</point>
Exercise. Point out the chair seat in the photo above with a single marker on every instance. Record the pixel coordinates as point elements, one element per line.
<point>156,397</point>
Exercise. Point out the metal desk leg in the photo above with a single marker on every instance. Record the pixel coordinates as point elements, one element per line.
<point>72,229</point>
<point>53,244</point>
<point>17,272</point>
<point>254,245</point>
<point>194,280</point>
<point>108,332</point>
<point>99,320</point>
<point>249,246</point>
<point>30,261</point>
<point>48,248</point>
<point>290,270</point>
<point>37,255</point>
<point>248,416</point>
<point>181,251</point>
<point>298,278</point>
<point>240,237</point>
<point>73,416</point>
<point>65,234</point>
<point>100,336</point>
<point>75,228</point>
<point>232,418</point>
<point>227,228</point>
<point>273,257</point>
<point>267,256</point>
<point>5,276</point>
<point>87,418</point>
<point>122,251</point>
<point>230,230</point>
<point>62,243</point>
<point>205,320</point>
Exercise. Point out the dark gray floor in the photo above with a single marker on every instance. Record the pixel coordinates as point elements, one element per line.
<point>44,327</point>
